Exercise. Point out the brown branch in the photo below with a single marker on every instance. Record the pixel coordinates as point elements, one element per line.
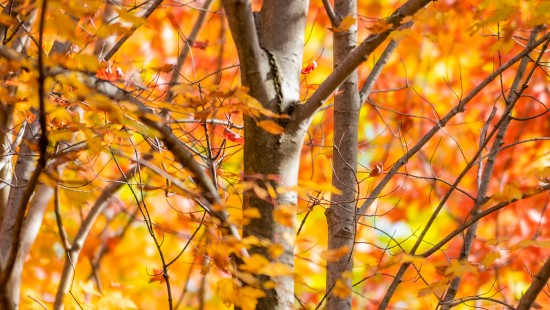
<point>539,281</point>
<point>127,35</point>
<point>245,35</point>
<point>82,234</point>
<point>334,20</point>
<point>366,89</point>
<point>457,109</point>
<point>478,217</point>
<point>187,47</point>
<point>41,163</point>
<point>513,96</point>
<point>356,57</point>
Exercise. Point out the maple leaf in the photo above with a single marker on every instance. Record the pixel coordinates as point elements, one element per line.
<point>226,291</point>
<point>310,67</point>
<point>158,275</point>
<point>284,215</point>
<point>341,290</point>
<point>110,73</point>
<point>334,255</point>
<point>247,297</point>
<point>345,24</point>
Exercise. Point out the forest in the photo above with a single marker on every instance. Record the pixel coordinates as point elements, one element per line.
<point>274,154</point>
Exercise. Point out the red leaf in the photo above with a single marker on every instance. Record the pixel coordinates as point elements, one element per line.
<point>200,44</point>
<point>376,170</point>
<point>231,136</point>
<point>310,67</point>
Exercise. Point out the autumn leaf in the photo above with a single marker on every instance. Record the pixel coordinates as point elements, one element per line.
<point>379,27</point>
<point>334,255</point>
<point>115,300</point>
<point>247,297</point>
<point>271,127</point>
<point>163,69</point>
<point>254,264</point>
<point>7,20</point>
<point>341,290</point>
<point>284,215</point>
<point>158,276</point>
<point>310,67</point>
<point>345,24</point>
<point>232,136</point>
<point>377,170</point>
<point>226,291</point>
<point>436,288</point>
<point>110,73</point>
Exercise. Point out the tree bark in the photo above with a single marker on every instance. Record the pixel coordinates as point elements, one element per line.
<point>341,214</point>
<point>270,47</point>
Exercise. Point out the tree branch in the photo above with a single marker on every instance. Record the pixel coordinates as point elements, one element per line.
<point>82,234</point>
<point>539,281</point>
<point>187,47</point>
<point>127,35</point>
<point>355,58</point>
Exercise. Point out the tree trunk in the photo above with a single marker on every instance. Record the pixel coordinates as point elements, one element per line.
<point>270,46</point>
<point>341,214</point>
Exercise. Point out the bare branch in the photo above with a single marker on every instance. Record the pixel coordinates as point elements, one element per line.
<point>82,234</point>
<point>127,35</point>
<point>539,281</point>
<point>334,20</point>
<point>356,57</point>
<point>187,47</point>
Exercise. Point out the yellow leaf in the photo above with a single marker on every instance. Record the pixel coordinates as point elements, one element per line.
<point>277,269</point>
<point>226,291</point>
<point>130,17</point>
<point>345,24</point>
<point>490,258</point>
<point>247,297</point>
<point>275,250</point>
<point>333,255</point>
<point>459,268</point>
<point>115,300</point>
<point>254,264</point>
<point>88,288</point>
<point>271,127</point>
<point>511,192</point>
<point>544,175</point>
<point>341,290</point>
<point>284,215</point>
<point>436,288</point>
<point>252,213</point>
<point>379,27</point>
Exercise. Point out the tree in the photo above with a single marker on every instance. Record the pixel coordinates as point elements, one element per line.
<point>425,147</point>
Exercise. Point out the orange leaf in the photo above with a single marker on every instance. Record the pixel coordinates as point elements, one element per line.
<point>271,127</point>
<point>158,275</point>
<point>284,215</point>
<point>110,73</point>
<point>333,255</point>
<point>164,68</point>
